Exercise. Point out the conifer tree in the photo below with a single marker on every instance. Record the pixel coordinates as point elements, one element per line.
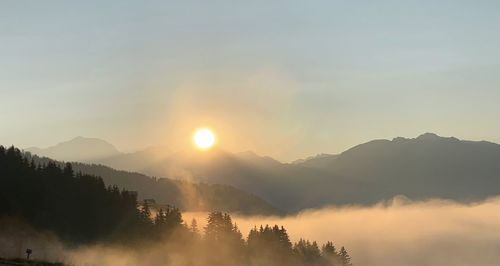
<point>145,212</point>
<point>68,170</point>
<point>344,257</point>
<point>160,218</point>
<point>194,227</point>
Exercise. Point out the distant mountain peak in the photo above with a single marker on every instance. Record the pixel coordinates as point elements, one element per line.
<point>248,153</point>
<point>435,137</point>
<point>81,138</point>
<point>252,156</point>
<point>78,149</point>
<point>429,136</point>
<point>312,157</point>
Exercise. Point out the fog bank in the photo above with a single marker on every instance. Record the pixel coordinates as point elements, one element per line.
<point>399,232</point>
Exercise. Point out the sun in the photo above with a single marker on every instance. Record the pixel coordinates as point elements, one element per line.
<point>204,138</point>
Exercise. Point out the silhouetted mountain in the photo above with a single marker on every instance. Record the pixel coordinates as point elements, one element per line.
<point>317,161</point>
<point>428,166</point>
<point>186,195</point>
<point>425,167</point>
<point>284,185</point>
<point>136,161</point>
<point>78,149</point>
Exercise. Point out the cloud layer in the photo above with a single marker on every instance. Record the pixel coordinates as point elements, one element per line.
<point>399,232</point>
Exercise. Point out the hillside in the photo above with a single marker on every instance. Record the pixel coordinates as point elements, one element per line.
<point>428,166</point>
<point>422,167</point>
<point>76,207</point>
<point>318,161</point>
<point>78,149</point>
<point>187,196</point>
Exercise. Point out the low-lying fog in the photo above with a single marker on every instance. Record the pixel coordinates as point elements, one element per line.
<point>400,232</point>
<point>434,232</point>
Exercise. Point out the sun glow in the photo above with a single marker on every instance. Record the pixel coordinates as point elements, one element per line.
<point>204,138</point>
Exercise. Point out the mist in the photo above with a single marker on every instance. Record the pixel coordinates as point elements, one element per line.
<point>400,232</point>
<point>397,232</point>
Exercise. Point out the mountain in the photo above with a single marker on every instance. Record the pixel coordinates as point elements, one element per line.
<point>423,167</point>
<point>187,196</point>
<point>318,161</point>
<point>283,185</point>
<point>211,169</point>
<point>428,166</point>
<point>78,149</point>
<point>136,161</point>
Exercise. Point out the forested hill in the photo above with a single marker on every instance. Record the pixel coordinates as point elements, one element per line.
<point>77,207</point>
<point>185,195</point>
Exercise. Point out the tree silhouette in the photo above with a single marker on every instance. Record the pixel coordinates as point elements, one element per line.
<point>223,237</point>
<point>307,252</point>
<point>80,209</point>
<point>344,257</point>
<point>169,220</point>
<point>330,254</point>
<point>269,245</point>
<point>194,227</point>
<point>57,199</point>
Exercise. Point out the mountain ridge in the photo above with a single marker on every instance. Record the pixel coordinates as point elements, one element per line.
<point>427,166</point>
<point>88,149</point>
<point>185,195</point>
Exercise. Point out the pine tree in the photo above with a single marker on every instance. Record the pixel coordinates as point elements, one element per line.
<point>194,227</point>
<point>330,254</point>
<point>328,249</point>
<point>284,239</point>
<point>145,212</point>
<point>219,225</point>
<point>344,257</point>
<point>223,237</point>
<point>307,252</point>
<point>68,170</point>
<point>172,217</point>
<point>160,218</point>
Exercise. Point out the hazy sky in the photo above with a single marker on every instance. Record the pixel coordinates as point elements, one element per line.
<point>282,78</point>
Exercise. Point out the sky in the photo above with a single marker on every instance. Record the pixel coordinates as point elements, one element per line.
<point>286,79</point>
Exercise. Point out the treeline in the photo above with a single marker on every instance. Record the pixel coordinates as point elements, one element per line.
<point>186,195</point>
<point>79,208</point>
<point>220,242</point>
